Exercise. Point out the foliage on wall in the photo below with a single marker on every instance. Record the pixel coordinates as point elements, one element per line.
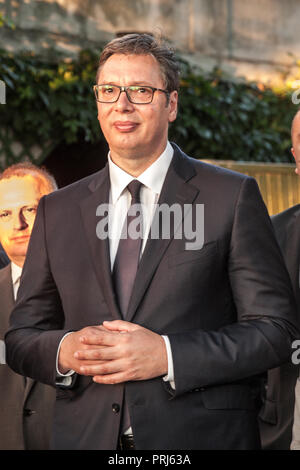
<point>218,118</point>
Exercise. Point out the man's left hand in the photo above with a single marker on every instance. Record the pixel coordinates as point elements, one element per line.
<point>133,353</point>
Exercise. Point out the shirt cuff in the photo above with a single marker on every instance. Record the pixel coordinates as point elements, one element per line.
<point>170,376</point>
<point>63,379</point>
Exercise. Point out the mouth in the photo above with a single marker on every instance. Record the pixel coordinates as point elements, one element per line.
<point>21,239</point>
<point>125,126</point>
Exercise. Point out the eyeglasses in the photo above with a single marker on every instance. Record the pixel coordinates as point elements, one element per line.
<point>135,94</point>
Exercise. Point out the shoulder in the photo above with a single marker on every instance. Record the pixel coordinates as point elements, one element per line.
<point>212,179</point>
<point>5,275</point>
<point>218,173</point>
<point>3,259</point>
<point>76,191</point>
<point>5,278</point>
<point>285,218</point>
<point>207,169</point>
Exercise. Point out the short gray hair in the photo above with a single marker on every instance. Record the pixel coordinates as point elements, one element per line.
<point>143,44</point>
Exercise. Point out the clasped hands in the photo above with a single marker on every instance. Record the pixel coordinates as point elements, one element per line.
<point>115,352</point>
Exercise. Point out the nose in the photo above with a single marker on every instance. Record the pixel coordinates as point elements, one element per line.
<point>20,222</point>
<point>123,103</point>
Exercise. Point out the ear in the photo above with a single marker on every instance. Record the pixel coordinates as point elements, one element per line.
<point>173,103</point>
<point>293,153</point>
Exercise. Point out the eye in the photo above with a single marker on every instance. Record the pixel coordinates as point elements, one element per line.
<point>29,211</point>
<point>107,89</point>
<point>141,90</point>
<point>4,215</point>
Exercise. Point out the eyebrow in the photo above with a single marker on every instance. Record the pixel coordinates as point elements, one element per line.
<point>5,211</point>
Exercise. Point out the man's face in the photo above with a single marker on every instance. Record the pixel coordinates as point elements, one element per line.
<point>19,197</point>
<point>135,130</point>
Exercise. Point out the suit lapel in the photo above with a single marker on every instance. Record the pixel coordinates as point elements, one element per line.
<point>99,249</point>
<point>175,190</point>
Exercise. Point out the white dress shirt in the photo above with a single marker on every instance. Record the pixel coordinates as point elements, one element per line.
<point>16,272</point>
<point>120,199</point>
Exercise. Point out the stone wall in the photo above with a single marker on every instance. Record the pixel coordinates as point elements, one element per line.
<point>251,38</point>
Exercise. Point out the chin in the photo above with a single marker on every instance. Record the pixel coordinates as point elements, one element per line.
<point>127,150</point>
<point>19,251</point>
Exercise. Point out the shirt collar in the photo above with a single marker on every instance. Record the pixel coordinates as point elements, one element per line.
<point>153,177</point>
<point>16,272</point>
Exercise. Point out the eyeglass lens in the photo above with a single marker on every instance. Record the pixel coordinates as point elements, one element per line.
<point>136,94</point>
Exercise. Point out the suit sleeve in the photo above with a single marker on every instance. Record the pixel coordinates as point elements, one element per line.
<point>37,321</point>
<point>265,326</point>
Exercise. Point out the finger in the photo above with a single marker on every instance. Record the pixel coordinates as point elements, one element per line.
<point>104,354</point>
<point>110,379</point>
<point>102,328</point>
<point>90,330</point>
<point>107,367</point>
<point>120,325</point>
<point>103,338</point>
<point>111,331</point>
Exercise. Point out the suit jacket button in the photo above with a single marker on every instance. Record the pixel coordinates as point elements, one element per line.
<point>27,412</point>
<point>116,408</point>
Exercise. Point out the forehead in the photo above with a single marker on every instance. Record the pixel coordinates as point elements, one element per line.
<point>131,69</point>
<point>18,192</point>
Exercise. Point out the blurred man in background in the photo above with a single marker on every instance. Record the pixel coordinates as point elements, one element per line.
<point>277,414</point>
<point>25,405</point>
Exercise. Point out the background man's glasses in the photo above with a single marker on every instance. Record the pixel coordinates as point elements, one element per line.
<point>135,94</point>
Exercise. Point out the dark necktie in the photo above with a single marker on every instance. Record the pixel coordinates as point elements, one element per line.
<point>124,271</point>
<point>128,254</point>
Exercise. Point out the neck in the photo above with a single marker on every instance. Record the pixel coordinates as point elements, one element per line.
<point>134,164</point>
<point>132,167</point>
<point>19,261</point>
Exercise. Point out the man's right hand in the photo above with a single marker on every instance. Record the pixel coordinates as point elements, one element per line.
<point>72,343</point>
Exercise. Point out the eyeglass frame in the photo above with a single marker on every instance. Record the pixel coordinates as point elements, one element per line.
<point>125,88</point>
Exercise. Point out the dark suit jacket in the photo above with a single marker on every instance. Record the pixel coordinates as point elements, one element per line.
<point>277,413</point>
<point>26,407</point>
<point>4,261</point>
<point>227,308</point>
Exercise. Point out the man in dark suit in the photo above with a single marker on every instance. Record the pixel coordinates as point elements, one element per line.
<point>276,416</point>
<point>155,340</point>
<point>26,406</point>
